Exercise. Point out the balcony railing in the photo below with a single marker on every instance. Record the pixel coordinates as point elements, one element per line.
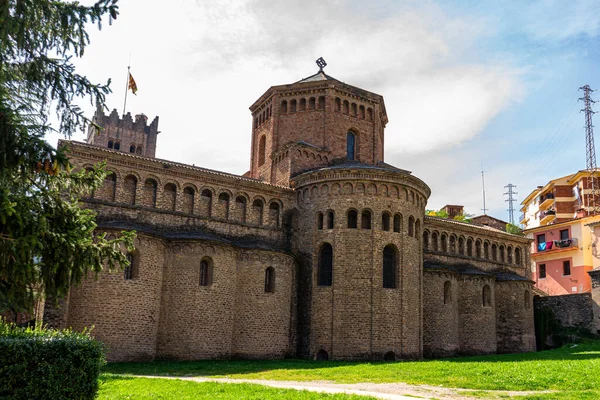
<point>547,216</point>
<point>546,201</point>
<point>524,219</point>
<point>556,245</point>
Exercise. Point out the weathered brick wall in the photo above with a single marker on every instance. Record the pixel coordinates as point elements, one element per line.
<point>196,321</point>
<point>440,315</point>
<point>514,316</point>
<point>477,322</point>
<point>124,313</point>
<point>356,317</point>
<point>262,320</point>
<point>570,310</point>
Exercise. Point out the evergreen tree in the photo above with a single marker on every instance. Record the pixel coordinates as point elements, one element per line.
<point>47,241</point>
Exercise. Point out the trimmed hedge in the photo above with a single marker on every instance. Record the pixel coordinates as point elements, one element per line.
<point>38,363</point>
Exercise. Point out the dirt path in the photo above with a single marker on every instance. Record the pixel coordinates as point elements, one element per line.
<point>396,391</point>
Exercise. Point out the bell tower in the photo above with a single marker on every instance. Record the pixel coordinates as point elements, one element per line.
<point>312,123</point>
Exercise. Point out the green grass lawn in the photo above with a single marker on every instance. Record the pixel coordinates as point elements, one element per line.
<point>571,368</point>
<point>116,387</point>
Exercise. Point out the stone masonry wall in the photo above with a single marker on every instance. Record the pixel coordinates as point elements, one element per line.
<point>125,313</point>
<point>570,310</point>
<point>477,320</point>
<point>514,316</point>
<point>440,315</point>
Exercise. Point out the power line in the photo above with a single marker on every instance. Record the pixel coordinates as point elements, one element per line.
<point>590,149</point>
<point>511,200</point>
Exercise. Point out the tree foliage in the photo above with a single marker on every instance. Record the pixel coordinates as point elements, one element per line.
<point>514,229</point>
<point>47,241</point>
<point>444,214</point>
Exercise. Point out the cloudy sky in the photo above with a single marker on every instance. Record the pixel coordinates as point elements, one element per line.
<point>466,84</point>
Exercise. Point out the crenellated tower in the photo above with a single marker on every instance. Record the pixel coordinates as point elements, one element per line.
<point>124,134</point>
<point>314,122</point>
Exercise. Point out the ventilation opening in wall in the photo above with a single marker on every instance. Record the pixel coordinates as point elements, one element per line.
<point>322,355</point>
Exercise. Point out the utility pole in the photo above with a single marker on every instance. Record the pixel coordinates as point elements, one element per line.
<point>483,187</point>
<point>511,210</point>
<point>590,149</point>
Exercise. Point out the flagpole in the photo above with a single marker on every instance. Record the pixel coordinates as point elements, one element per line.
<point>127,84</point>
<point>126,90</point>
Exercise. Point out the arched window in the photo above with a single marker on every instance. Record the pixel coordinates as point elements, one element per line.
<point>132,270</point>
<point>435,246</point>
<point>509,255</point>
<point>352,219</point>
<point>329,219</point>
<point>361,112</point>
<point>389,356</point>
<point>188,200</point>
<point>262,143</point>
<point>470,247</point>
<point>365,220</point>
<point>206,272</point>
<point>258,206</point>
<point>274,213</point>
<point>110,144</point>
<point>417,229</point>
<point>130,186</point>
<point>453,244</point>
<point>170,196</point>
<point>411,226</point>
<point>502,256</point>
<point>150,187</point>
<point>385,221</point>
<point>425,240</point>
<point>138,150</point>
<point>132,148</point>
<point>321,104</point>
<point>350,145</point>
<point>353,109</point>
<point>284,107</point>
<point>444,242</point>
<point>322,355</point>
<point>478,248</point>
<point>494,252</point>
<point>293,106</point>
<point>487,296</point>
<point>206,202</point>
<point>338,104</point>
<point>397,223</point>
<point>117,145</point>
<point>240,204</point>
<point>486,250</point>
<point>302,105</point>
<point>270,280</point>
<point>518,255</point>
<point>325,275</point>
<point>447,292</point>
<point>320,221</point>
<point>461,246</point>
<point>345,107</point>
<point>110,184</point>
<point>224,203</point>
<point>389,267</point>
<point>369,114</point>
<point>311,103</point>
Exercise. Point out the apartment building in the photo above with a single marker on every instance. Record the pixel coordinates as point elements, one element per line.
<point>561,218</point>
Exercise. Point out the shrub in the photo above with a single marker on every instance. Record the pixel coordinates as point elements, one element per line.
<point>37,363</point>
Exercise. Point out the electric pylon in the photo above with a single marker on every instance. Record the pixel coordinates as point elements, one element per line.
<point>590,149</point>
<point>511,210</point>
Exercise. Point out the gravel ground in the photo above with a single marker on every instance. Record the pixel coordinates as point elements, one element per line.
<point>396,391</point>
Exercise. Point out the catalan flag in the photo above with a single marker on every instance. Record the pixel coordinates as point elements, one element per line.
<point>132,84</point>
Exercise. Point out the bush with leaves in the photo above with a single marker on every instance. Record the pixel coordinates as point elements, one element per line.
<point>47,241</point>
<point>38,363</point>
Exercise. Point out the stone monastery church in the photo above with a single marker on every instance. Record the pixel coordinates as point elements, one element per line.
<point>321,250</point>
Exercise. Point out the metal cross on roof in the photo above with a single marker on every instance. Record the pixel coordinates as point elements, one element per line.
<point>321,63</point>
